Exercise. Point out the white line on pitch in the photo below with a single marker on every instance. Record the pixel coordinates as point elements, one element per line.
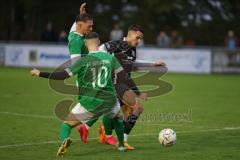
<point>28,115</point>
<point>137,135</point>
<point>149,123</point>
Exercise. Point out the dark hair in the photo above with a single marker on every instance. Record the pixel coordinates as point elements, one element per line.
<point>91,35</point>
<point>135,27</point>
<point>83,17</point>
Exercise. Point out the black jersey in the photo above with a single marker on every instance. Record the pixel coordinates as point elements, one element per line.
<point>125,54</point>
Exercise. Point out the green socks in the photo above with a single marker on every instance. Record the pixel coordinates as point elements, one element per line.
<point>65,131</point>
<point>108,124</point>
<point>119,129</point>
<point>117,124</point>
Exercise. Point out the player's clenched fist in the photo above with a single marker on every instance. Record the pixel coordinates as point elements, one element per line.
<point>35,72</point>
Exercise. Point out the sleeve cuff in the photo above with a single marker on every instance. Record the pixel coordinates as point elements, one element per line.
<point>69,72</point>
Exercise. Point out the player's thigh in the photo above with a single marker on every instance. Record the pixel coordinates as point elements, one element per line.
<point>126,95</point>
<point>82,114</point>
<point>127,110</point>
<point>129,97</point>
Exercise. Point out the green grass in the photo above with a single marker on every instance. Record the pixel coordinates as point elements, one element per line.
<point>213,132</point>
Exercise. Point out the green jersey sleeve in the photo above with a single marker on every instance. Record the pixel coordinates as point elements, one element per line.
<point>75,46</point>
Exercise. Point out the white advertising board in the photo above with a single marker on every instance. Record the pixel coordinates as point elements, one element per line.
<point>179,60</point>
<point>35,55</point>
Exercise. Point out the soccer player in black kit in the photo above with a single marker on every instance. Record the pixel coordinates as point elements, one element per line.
<point>125,51</point>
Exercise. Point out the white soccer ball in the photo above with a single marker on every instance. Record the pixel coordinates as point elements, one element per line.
<point>167,137</point>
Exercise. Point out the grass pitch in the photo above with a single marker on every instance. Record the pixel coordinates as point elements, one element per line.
<point>207,122</point>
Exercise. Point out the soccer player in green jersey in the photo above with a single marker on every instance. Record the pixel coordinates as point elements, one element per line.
<point>76,44</point>
<point>77,49</point>
<point>96,75</point>
<point>108,122</point>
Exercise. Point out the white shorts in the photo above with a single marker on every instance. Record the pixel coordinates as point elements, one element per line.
<point>83,115</point>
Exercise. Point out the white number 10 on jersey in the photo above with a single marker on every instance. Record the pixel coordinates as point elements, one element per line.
<point>98,78</point>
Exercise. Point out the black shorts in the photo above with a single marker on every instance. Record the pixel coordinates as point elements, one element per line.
<point>121,89</point>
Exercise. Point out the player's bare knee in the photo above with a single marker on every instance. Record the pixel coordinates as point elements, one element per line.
<point>130,98</point>
<point>72,123</point>
<point>72,120</point>
<point>139,109</point>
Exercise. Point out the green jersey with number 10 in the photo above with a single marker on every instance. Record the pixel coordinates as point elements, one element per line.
<point>95,77</point>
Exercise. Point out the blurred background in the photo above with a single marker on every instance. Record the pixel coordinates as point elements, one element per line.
<point>179,24</point>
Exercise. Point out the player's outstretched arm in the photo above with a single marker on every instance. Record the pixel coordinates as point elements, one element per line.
<point>55,75</point>
<point>142,63</point>
<point>82,8</point>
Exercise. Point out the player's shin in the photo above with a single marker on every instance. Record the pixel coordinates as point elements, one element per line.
<point>119,129</point>
<point>65,131</point>
<point>129,123</point>
<point>106,131</point>
<point>131,120</point>
<point>108,124</point>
